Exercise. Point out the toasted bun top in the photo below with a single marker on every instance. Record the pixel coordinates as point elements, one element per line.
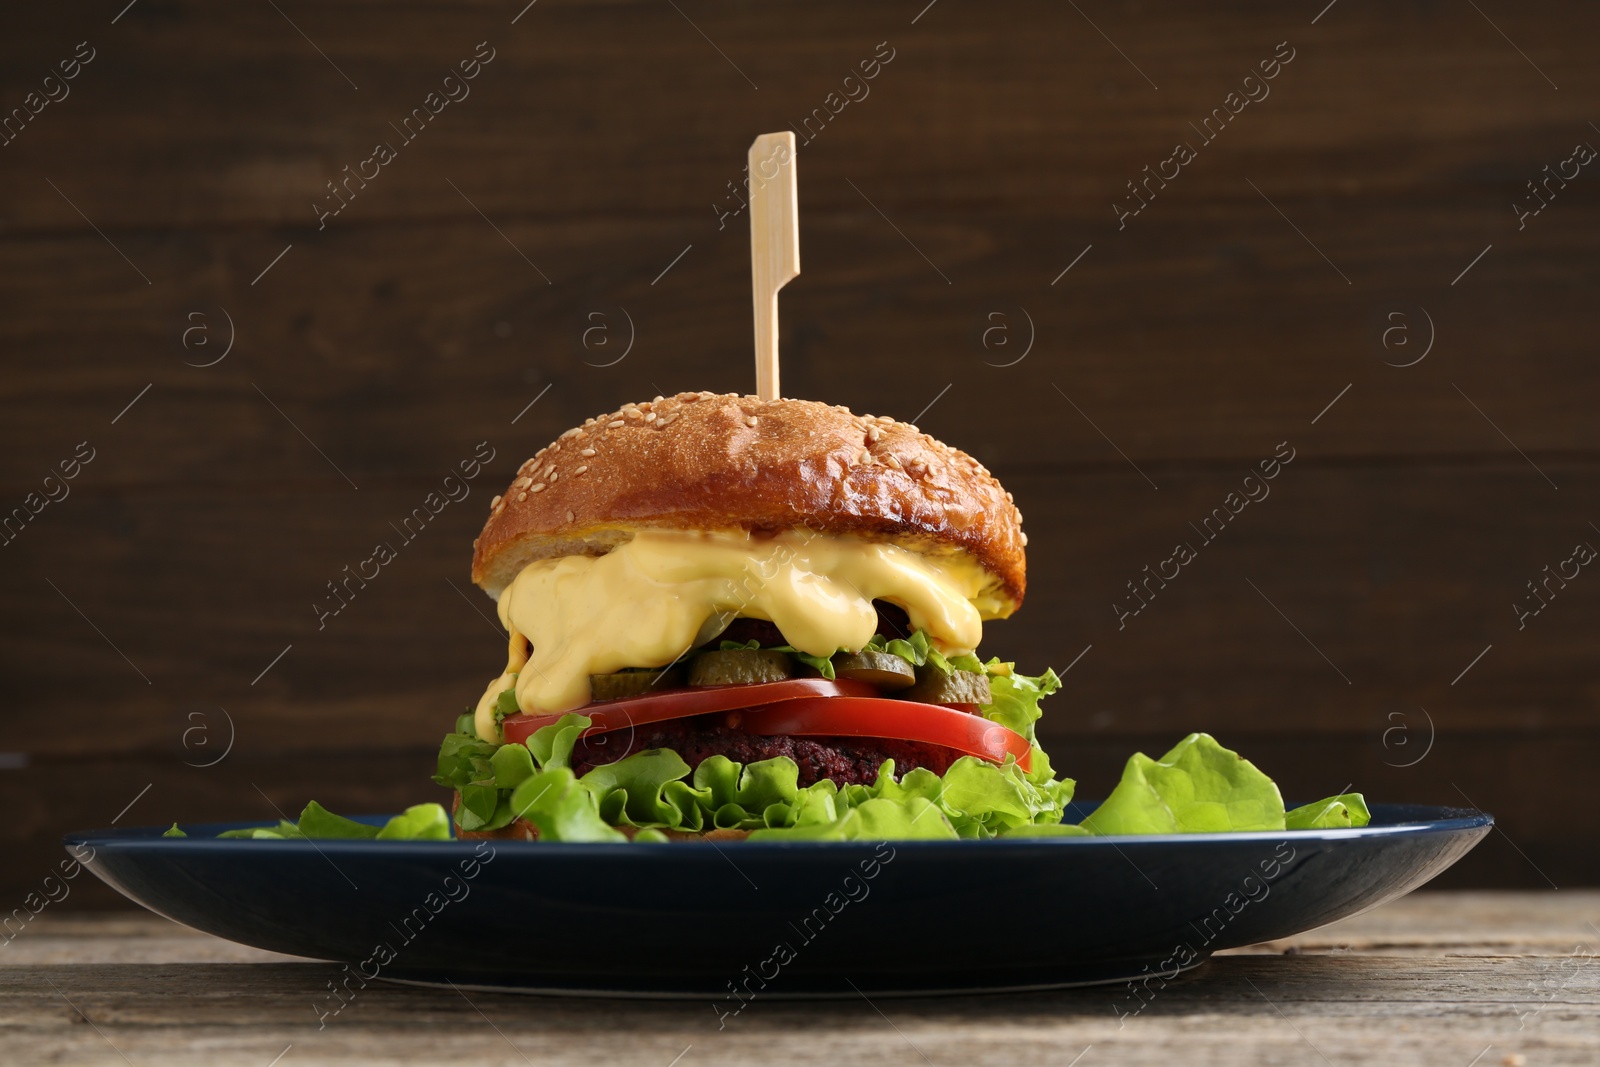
<point>705,461</point>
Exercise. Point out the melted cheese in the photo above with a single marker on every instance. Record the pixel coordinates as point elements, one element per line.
<point>516,658</point>
<point>651,599</point>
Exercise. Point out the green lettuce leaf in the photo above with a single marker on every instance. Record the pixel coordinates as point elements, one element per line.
<point>1014,704</point>
<point>284,831</point>
<point>875,819</point>
<point>512,765</point>
<point>480,806</point>
<point>1014,698</point>
<point>551,746</point>
<point>821,664</point>
<point>173,831</point>
<point>420,822</point>
<point>916,650</point>
<point>636,791</point>
<point>655,790</point>
<point>1334,813</point>
<point>318,821</point>
<point>1198,787</point>
<point>506,703</point>
<point>463,759</point>
<point>562,809</point>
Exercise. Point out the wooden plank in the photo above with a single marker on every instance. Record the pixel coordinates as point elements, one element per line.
<point>394,349</point>
<point>1235,1010</point>
<point>1459,923</point>
<point>1022,114</point>
<point>123,937</point>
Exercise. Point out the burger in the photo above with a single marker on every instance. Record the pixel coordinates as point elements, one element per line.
<point>730,617</point>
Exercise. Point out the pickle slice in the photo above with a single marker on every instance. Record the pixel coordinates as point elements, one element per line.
<point>740,666</point>
<point>957,687</point>
<point>633,683</point>
<point>882,669</point>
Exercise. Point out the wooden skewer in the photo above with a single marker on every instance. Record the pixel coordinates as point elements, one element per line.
<point>774,245</point>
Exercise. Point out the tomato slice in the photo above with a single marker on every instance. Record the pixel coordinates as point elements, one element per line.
<point>610,715</point>
<point>802,707</point>
<point>903,720</point>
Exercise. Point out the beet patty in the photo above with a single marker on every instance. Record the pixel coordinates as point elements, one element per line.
<point>844,760</point>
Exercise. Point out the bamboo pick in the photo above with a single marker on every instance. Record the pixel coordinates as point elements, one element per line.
<point>774,245</point>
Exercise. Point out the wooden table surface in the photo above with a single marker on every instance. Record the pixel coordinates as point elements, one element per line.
<point>1453,979</point>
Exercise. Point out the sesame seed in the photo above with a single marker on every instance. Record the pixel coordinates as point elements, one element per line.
<point>580,470</point>
<point>651,417</point>
<point>570,433</point>
<point>587,452</point>
<point>614,424</point>
<point>1024,540</point>
<point>495,502</point>
<point>569,516</point>
<point>522,496</point>
<point>553,476</point>
<point>555,447</point>
<point>536,488</point>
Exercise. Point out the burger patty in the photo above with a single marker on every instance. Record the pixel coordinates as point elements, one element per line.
<point>844,760</point>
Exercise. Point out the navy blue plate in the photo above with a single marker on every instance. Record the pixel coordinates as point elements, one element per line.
<point>776,919</point>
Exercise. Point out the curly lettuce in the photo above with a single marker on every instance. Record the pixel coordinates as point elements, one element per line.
<point>656,794</point>
<point>1199,786</point>
<point>420,822</point>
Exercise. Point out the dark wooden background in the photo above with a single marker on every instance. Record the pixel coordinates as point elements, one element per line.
<point>141,612</point>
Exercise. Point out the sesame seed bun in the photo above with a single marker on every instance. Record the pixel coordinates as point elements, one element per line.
<point>704,461</point>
